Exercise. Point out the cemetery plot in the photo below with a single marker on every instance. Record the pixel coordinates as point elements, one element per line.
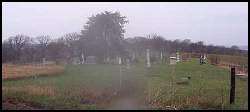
<point>97,86</point>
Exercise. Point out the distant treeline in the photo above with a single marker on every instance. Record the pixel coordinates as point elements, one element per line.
<point>102,36</point>
<point>158,43</point>
<point>21,48</point>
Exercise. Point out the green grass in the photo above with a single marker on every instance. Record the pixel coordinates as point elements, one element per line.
<point>68,85</point>
<point>208,87</point>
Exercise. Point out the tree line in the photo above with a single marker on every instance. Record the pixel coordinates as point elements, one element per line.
<point>102,36</point>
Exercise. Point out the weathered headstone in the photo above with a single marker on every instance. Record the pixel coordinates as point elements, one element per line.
<point>44,61</point>
<point>200,59</point>
<point>83,61</point>
<point>128,63</point>
<point>161,57</point>
<point>108,59</point>
<point>119,60</point>
<point>75,61</point>
<point>90,60</point>
<point>177,57</point>
<point>173,60</point>
<point>148,58</point>
<point>133,57</point>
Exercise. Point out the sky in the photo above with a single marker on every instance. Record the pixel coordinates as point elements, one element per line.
<point>224,23</point>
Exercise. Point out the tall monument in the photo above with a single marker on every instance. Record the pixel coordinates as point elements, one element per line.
<point>148,58</point>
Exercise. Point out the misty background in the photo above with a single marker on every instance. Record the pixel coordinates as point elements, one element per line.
<point>214,23</point>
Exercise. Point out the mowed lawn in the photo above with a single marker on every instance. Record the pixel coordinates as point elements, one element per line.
<point>96,86</point>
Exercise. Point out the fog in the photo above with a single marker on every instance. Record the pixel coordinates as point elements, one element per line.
<point>213,23</point>
<point>74,56</point>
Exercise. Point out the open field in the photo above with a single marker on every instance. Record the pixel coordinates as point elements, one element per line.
<point>225,61</point>
<point>240,62</point>
<point>229,59</point>
<point>98,87</point>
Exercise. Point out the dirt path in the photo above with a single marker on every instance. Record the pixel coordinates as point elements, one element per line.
<point>131,93</point>
<point>127,103</point>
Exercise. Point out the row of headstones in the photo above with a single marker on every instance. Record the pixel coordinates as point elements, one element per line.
<point>173,60</point>
<point>92,59</point>
<point>89,60</point>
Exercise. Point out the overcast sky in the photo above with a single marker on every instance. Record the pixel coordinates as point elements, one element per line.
<point>213,23</point>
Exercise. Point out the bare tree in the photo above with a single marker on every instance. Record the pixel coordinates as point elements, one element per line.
<point>43,42</point>
<point>17,44</point>
<point>72,41</point>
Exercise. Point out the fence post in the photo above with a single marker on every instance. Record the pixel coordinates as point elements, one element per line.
<point>232,84</point>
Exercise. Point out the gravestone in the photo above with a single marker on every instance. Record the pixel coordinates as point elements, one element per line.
<point>83,61</point>
<point>173,60</point>
<point>161,57</point>
<point>76,60</point>
<point>128,63</point>
<point>44,61</point>
<point>108,60</point>
<point>119,60</point>
<point>148,58</point>
<point>133,57</point>
<point>177,57</point>
<point>202,59</point>
<point>90,60</point>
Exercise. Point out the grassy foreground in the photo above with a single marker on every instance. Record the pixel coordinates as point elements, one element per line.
<point>96,86</point>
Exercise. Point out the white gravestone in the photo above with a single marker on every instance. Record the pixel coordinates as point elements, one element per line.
<point>177,57</point>
<point>148,59</point>
<point>83,61</point>
<point>173,60</point>
<point>119,60</point>
<point>161,56</point>
<point>76,60</point>
<point>108,59</point>
<point>44,61</point>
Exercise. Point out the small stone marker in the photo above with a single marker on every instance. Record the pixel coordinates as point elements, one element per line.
<point>90,60</point>
<point>128,63</point>
<point>148,58</point>
<point>173,60</point>
<point>133,57</point>
<point>44,61</point>
<point>75,60</point>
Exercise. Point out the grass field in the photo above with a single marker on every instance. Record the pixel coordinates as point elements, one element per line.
<point>240,60</point>
<point>10,71</point>
<point>98,87</point>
